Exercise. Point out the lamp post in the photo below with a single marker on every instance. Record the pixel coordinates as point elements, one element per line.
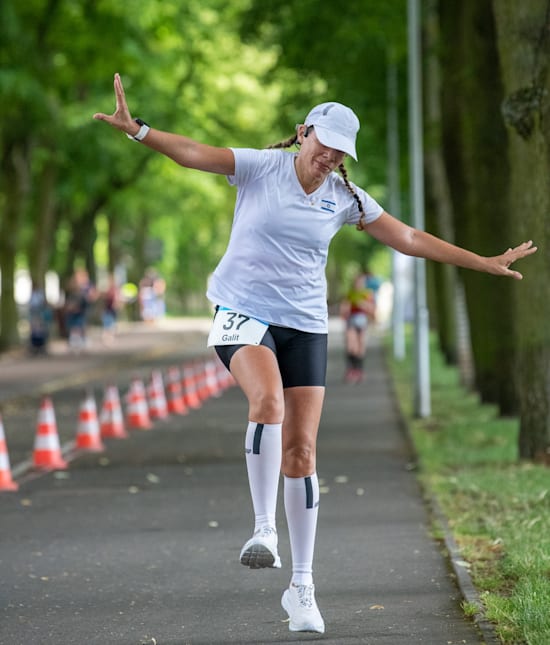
<point>394,202</point>
<point>422,399</point>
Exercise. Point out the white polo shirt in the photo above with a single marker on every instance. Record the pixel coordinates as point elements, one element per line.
<point>274,265</point>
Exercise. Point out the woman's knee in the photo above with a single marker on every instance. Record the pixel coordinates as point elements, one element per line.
<point>299,461</point>
<point>267,407</point>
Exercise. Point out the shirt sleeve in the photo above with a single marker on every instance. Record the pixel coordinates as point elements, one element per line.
<point>371,207</point>
<point>250,164</point>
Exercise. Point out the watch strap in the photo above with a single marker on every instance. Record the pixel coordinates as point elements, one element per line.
<point>141,133</point>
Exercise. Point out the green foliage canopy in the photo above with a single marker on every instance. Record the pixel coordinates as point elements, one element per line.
<point>186,68</point>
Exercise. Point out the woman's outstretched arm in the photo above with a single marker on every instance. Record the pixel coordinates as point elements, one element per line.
<point>182,150</point>
<point>410,241</point>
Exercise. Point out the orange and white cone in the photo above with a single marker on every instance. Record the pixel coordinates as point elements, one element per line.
<point>6,481</point>
<point>88,434</point>
<point>47,451</point>
<point>211,379</point>
<point>176,402</point>
<point>158,407</point>
<point>137,410</point>
<point>200,380</point>
<point>225,378</point>
<point>190,396</point>
<point>111,419</point>
<point>220,377</point>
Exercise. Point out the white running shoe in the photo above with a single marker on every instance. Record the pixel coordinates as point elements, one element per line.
<point>261,550</point>
<point>299,603</point>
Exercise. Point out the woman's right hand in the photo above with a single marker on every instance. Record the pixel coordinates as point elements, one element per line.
<point>121,118</point>
<point>183,150</point>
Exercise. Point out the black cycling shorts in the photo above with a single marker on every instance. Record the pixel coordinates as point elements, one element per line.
<point>301,355</point>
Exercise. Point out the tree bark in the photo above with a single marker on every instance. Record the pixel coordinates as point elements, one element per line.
<point>439,215</point>
<point>475,145</point>
<point>523,30</point>
<point>14,178</point>
<point>44,216</point>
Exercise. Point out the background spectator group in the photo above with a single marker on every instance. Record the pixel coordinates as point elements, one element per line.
<point>83,303</point>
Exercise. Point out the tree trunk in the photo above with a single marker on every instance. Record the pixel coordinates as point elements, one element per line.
<point>81,246</point>
<point>523,30</point>
<point>14,173</point>
<point>475,144</point>
<point>44,224</point>
<point>439,216</point>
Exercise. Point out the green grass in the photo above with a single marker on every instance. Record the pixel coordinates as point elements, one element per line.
<point>497,507</point>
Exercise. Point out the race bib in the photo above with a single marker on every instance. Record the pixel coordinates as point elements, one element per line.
<point>232,328</point>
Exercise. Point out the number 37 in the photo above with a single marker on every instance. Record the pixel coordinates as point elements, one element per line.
<point>235,320</point>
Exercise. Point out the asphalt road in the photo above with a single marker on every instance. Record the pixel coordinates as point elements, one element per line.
<point>139,544</point>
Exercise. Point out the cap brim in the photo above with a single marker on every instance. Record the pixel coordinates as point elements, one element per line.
<point>334,140</point>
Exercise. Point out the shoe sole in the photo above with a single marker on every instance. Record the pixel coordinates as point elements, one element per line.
<point>304,627</point>
<point>258,556</point>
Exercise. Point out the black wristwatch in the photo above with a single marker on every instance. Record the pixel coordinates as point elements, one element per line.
<point>142,132</point>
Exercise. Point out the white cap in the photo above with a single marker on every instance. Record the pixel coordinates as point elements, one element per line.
<point>336,126</point>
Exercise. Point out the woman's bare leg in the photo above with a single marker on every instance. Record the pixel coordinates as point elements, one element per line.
<point>303,408</point>
<point>256,371</point>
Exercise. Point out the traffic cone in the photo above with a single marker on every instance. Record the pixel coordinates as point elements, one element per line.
<point>222,383</point>
<point>137,411</point>
<point>88,434</point>
<point>158,407</point>
<point>211,378</point>
<point>111,420</point>
<point>47,452</point>
<point>176,402</point>
<point>190,396</point>
<point>225,378</point>
<point>6,481</point>
<point>200,379</point>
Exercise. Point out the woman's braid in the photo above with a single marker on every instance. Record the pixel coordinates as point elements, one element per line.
<point>344,173</point>
<point>284,144</point>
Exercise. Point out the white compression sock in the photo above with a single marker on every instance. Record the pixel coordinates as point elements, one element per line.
<point>302,507</point>
<point>263,450</point>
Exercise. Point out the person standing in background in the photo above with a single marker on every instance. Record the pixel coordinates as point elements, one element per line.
<point>79,295</point>
<point>40,319</point>
<point>110,299</point>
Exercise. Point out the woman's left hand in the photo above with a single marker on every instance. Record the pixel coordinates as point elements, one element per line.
<point>499,264</point>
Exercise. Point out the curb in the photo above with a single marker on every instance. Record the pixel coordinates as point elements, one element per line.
<point>462,576</point>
